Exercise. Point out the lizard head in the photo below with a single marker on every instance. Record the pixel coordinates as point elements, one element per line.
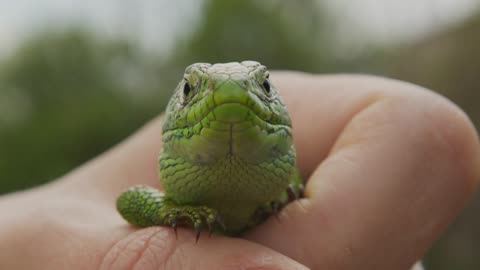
<point>230,109</point>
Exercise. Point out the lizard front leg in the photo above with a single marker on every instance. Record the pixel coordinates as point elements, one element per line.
<point>145,206</point>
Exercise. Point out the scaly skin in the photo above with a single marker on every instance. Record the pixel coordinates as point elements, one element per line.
<point>227,160</point>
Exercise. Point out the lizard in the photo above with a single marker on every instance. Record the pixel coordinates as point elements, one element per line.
<point>227,160</point>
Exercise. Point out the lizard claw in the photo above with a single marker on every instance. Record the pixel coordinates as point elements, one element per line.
<point>295,192</point>
<point>275,206</point>
<point>198,228</point>
<point>174,226</point>
<point>292,193</point>
<point>219,220</point>
<point>210,227</point>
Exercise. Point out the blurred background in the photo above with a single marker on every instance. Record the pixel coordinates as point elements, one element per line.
<point>77,77</point>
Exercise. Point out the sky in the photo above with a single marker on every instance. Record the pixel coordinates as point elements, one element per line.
<point>388,21</point>
<point>157,23</point>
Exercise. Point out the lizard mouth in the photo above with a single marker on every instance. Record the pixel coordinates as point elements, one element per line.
<point>234,117</point>
<point>232,112</point>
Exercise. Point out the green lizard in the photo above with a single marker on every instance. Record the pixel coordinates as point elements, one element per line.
<point>227,161</point>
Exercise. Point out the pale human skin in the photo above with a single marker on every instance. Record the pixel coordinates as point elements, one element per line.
<point>388,164</point>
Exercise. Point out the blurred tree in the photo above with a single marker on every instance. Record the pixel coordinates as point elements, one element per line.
<point>64,99</point>
<point>279,34</point>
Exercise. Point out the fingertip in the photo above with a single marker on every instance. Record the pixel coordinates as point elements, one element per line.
<point>460,134</point>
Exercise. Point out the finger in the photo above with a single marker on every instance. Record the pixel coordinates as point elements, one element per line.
<point>398,172</point>
<point>158,248</point>
<point>320,108</point>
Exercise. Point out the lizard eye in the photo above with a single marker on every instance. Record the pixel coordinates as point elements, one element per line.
<point>266,85</point>
<point>188,92</point>
<point>187,89</point>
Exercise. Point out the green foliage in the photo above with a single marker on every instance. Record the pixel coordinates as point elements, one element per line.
<point>64,102</point>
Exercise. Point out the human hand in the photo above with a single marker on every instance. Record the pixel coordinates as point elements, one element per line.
<point>388,166</point>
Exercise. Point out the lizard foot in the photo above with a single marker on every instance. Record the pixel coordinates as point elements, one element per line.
<point>145,206</point>
<point>197,216</point>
